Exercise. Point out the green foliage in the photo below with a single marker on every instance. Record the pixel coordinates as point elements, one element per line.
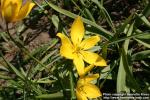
<point>41,73</point>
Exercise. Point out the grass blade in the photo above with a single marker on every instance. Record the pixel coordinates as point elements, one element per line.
<point>143,19</point>
<point>141,55</point>
<point>54,96</point>
<point>143,43</point>
<point>17,72</point>
<point>122,74</point>
<point>72,15</point>
<point>105,14</point>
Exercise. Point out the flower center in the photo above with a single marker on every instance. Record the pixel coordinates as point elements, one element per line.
<point>77,49</point>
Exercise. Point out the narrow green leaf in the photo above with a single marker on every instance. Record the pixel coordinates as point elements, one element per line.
<point>3,68</point>
<point>143,19</point>
<point>55,21</point>
<point>145,36</point>
<point>72,15</point>
<point>122,74</point>
<point>129,74</point>
<point>34,53</point>
<point>39,67</point>
<point>82,2</point>
<point>127,21</point>
<point>44,80</point>
<point>104,51</point>
<point>121,78</point>
<point>129,37</point>
<point>73,97</point>
<point>53,96</point>
<point>141,55</point>
<point>4,36</point>
<point>17,72</point>
<point>111,67</point>
<point>5,77</point>
<point>143,42</point>
<point>146,11</point>
<point>89,15</point>
<point>105,14</point>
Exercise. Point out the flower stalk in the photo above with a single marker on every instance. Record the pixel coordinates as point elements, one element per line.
<point>77,49</point>
<point>73,97</point>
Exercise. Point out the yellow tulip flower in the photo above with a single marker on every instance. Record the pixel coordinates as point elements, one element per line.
<point>85,89</point>
<point>77,49</point>
<point>13,10</point>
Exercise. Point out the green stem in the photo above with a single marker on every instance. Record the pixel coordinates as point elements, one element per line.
<point>7,30</point>
<point>113,66</point>
<point>73,97</point>
<point>19,44</point>
<point>125,38</point>
<point>24,89</point>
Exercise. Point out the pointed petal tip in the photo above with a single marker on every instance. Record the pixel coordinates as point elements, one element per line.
<point>104,63</point>
<point>77,31</point>
<point>66,49</point>
<point>101,65</point>
<point>59,34</point>
<point>96,75</point>
<point>32,4</point>
<point>78,17</point>
<point>98,37</point>
<point>100,62</point>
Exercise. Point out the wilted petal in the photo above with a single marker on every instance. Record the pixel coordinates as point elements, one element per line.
<point>93,58</point>
<point>79,63</point>
<point>77,31</point>
<point>25,10</point>
<point>80,95</point>
<point>91,91</point>
<point>90,42</point>
<point>66,48</point>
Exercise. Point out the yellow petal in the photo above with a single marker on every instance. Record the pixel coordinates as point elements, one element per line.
<point>77,31</point>
<point>90,42</point>
<point>25,10</point>
<point>88,69</point>
<point>7,12</point>
<point>66,48</point>
<point>79,63</point>
<point>90,78</point>
<point>2,3</point>
<point>80,95</point>
<point>5,3</point>
<point>16,9</point>
<point>91,91</point>
<point>86,79</point>
<point>93,58</point>
<point>10,9</point>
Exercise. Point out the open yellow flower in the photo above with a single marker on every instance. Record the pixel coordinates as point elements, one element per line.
<point>77,49</point>
<point>13,10</point>
<point>86,89</point>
